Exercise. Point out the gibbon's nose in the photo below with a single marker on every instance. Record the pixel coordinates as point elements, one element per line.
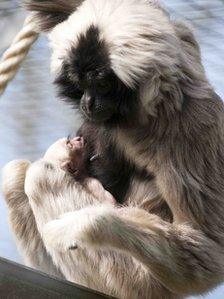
<point>89,102</point>
<point>76,143</point>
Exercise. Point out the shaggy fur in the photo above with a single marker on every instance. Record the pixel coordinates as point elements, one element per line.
<point>177,135</point>
<point>52,192</point>
<point>50,13</point>
<point>22,221</point>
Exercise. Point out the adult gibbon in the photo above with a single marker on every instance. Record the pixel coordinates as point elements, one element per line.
<point>138,79</point>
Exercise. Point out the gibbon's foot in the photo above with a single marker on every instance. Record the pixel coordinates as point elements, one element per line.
<point>13,177</point>
<point>41,177</point>
<point>76,229</point>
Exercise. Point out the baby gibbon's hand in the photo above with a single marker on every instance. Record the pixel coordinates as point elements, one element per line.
<point>97,190</point>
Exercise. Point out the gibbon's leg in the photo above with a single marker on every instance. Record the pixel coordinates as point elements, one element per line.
<point>183,259</point>
<point>22,220</point>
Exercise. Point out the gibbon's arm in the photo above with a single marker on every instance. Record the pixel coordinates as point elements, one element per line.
<point>183,259</point>
<point>22,220</point>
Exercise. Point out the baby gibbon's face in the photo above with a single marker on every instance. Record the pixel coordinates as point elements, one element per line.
<point>67,154</point>
<point>57,152</point>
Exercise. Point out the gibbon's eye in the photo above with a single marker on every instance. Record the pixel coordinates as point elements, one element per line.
<point>104,87</point>
<point>72,77</point>
<point>67,87</point>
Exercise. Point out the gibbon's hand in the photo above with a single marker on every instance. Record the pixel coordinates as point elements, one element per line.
<point>97,190</point>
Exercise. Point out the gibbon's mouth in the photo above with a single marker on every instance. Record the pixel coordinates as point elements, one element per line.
<point>99,117</point>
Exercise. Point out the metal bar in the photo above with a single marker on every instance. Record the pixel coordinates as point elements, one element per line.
<point>19,282</point>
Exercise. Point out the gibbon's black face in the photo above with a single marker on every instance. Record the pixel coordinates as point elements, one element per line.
<point>87,81</point>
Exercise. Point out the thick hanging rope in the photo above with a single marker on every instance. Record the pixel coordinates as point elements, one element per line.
<point>14,56</point>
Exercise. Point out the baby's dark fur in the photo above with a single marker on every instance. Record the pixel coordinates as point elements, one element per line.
<point>110,166</point>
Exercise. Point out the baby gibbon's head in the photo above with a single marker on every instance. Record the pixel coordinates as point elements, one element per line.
<point>68,154</point>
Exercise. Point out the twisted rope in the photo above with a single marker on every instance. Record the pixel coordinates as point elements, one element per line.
<point>14,56</point>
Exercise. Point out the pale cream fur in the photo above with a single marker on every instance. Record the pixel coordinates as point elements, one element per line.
<point>51,193</point>
<point>126,40</point>
<point>129,252</point>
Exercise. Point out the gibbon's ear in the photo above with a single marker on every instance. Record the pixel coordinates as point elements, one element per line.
<point>49,13</point>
